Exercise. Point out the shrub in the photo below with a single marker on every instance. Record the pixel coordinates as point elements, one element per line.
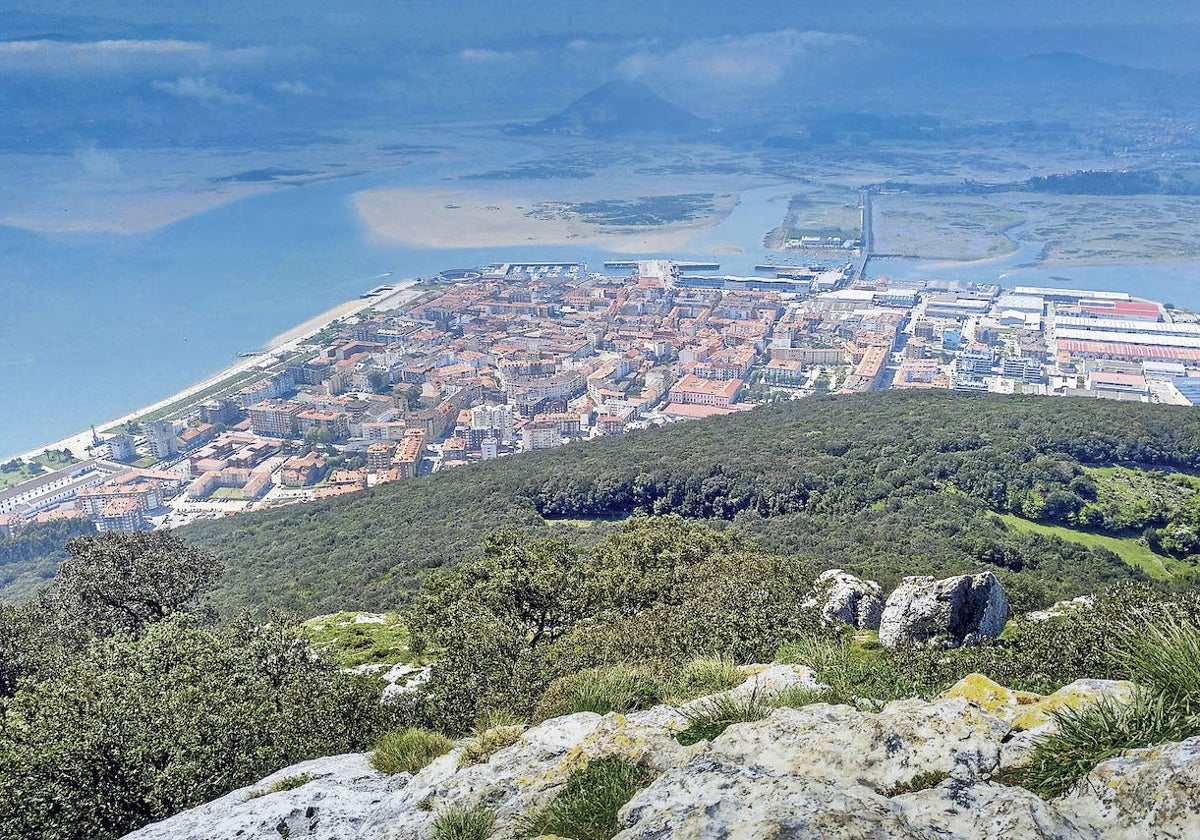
<point>136,730</point>
<point>707,675</point>
<point>616,688</point>
<point>586,808</point>
<point>463,824</point>
<point>709,718</point>
<point>1085,737</point>
<point>408,750</point>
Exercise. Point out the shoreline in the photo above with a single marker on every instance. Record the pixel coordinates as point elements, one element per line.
<point>284,342</point>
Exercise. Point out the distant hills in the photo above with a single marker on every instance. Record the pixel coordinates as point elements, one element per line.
<point>619,109</point>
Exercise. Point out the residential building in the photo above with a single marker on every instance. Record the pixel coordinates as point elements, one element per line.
<point>275,418</point>
<point>694,390</point>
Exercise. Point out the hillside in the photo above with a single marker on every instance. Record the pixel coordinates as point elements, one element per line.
<point>886,484</point>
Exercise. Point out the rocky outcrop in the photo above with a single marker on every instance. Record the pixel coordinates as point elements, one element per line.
<point>1062,608</point>
<point>952,612</point>
<point>1147,793</point>
<point>336,800</point>
<point>843,598</point>
<point>763,682</point>
<point>916,770</point>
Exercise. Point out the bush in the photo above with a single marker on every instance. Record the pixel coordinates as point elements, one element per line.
<point>463,824</point>
<point>709,718</point>
<point>616,688</point>
<point>707,675</point>
<point>586,808</point>
<point>135,730</point>
<point>408,750</point>
<point>1085,737</point>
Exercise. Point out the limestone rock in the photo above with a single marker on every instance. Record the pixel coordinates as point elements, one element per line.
<point>335,803</point>
<point>512,782</point>
<point>763,682</point>
<point>1026,710</point>
<point>882,750</point>
<point>971,810</point>
<point>1062,608</point>
<point>820,771</point>
<point>712,798</point>
<point>1141,795</point>
<point>841,597</point>
<point>955,611</point>
<point>1076,695</point>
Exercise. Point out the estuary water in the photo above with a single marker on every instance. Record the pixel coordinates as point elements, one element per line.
<point>93,326</point>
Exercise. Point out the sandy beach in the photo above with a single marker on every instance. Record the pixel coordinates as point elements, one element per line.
<point>464,218</point>
<point>282,344</point>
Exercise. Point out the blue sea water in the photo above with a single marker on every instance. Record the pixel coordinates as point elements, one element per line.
<point>94,326</point>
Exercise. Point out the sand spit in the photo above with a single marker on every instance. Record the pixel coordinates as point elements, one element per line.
<point>464,218</point>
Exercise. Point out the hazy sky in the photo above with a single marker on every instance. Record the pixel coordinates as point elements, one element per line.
<point>454,22</point>
<point>297,64</point>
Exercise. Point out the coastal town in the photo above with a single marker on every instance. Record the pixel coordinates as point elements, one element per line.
<point>478,364</point>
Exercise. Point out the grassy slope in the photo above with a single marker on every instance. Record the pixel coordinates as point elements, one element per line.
<point>1131,551</point>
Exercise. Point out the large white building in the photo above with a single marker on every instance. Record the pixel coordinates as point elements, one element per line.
<point>498,419</point>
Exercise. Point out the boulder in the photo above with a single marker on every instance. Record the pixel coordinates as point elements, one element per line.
<point>1141,795</point>
<point>711,798</point>
<point>952,612</point>
<point>763,682</point>
<point>843,598</point>
<point>1062,608</point>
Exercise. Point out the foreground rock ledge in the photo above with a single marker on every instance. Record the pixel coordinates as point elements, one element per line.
<point>825,772</point>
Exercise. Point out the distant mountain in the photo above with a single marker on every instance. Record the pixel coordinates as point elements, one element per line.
<point>619,109</point>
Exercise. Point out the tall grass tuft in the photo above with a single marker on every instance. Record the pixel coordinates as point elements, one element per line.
<point>707,675</point>
<point>616,688</point>
<point>1163,656</point>
<point>463,824</point>
<point>1085,737</point>
<point>586,808</point>
<point>492,732</point>
<point>408,750</point>
<point>851,670</point>
<point>709,718</point>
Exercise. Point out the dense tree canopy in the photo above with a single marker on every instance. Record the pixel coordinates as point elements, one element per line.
<point>827,466</point>
<point>508,622</point>
<point>121,702</point>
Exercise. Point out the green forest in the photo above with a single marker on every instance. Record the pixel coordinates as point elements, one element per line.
<point>886,485</point>
<point>603,576</point>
